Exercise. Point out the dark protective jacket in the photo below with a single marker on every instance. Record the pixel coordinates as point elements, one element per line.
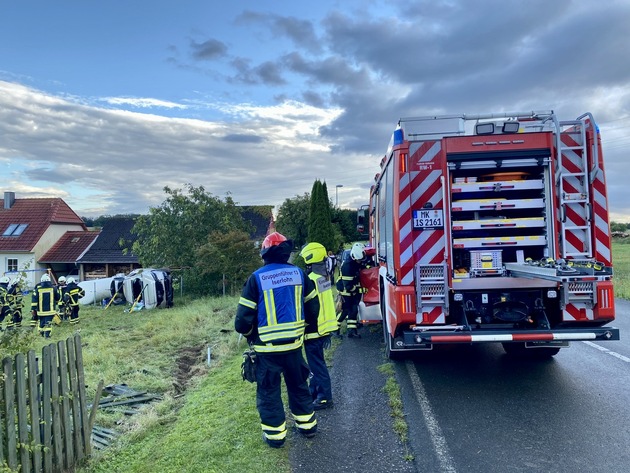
<point>44,300</point>
<point>276,302</point>
<point>348,283</point>
<point>74,292</point>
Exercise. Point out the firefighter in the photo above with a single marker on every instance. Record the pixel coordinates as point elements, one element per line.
<point>72,293</point>
<point>5,308</point>
<point>61,289</point>
<point>317,336</point>
<point>349,288</point>
<point>44,305</point>
<point>276,302</point>
<point>16,302</point>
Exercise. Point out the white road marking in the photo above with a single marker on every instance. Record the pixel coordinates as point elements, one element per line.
<point>447,465</point>
<point>608,352</point>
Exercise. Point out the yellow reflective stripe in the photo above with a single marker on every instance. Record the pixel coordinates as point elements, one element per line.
<point>304,417</point>
<point>247,303</point>
<point>281,428</point>
<point>347,278</point>
<point>279,348</point>
<point>281,331</point>
<point>270,307</point>
<point>298,303</point>
<point>311,295</point>
<point>308,425</point>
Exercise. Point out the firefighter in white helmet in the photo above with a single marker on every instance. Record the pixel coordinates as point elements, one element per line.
<point>317,336</point>
<point>72,293</point>
<point>349,288</point>
<point>44,305</point>
<point>61,289</point>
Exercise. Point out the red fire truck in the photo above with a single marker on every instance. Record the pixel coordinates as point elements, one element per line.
<point>493,228</point>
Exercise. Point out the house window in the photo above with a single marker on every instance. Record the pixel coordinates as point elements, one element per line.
<point>12,265</point>
<point>15,229</point>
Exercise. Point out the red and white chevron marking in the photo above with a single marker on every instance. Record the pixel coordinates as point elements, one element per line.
<point>416,189</point>
<point>431,315</point>
<point>601,225</point>
<point>577,311</point>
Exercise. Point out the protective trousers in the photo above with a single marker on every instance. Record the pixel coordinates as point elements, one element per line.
<point>350,310</point>
<point>74,315</point>
<point>320,384</point>
<point>291,364</point>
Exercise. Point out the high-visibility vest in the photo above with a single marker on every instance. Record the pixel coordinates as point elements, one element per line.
<point>280,307</point>
<point>327,317</point>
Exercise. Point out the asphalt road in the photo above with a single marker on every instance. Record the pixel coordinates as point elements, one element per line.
<point>473,409</point>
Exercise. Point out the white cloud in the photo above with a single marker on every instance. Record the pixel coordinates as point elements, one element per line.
<point>142,102</point>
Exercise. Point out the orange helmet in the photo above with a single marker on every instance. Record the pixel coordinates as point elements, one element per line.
<point>273,239</point>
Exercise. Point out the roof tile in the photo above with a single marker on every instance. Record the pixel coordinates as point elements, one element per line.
<point>39,214</point>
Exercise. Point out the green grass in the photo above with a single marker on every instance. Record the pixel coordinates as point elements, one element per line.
<point>392,389</point>
<point>206,419</point>
<point>621,264</point>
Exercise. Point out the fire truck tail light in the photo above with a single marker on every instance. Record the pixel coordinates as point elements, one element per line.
<point>405,303</point>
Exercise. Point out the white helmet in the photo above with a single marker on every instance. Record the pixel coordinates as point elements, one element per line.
<point>4,280</point>
<point>62,280</point>
<point>357,252</point>
<point>45,278</point>
<point>71,280</point>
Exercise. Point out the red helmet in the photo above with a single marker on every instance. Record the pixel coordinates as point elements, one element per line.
<point>273,239</point>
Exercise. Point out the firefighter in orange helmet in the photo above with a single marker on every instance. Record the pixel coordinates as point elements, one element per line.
<point>277,301</point>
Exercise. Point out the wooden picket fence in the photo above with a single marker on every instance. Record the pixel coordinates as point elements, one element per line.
<point>45,418</point>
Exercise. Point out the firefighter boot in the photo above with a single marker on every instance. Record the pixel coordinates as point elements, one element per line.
<point>353,333</point>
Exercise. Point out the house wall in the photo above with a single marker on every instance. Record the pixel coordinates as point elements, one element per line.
<point>52,234</point>
<point>27,262</point>
<point>26,267</point>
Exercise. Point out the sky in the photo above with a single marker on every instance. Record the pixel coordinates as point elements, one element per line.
<point>105,103</point>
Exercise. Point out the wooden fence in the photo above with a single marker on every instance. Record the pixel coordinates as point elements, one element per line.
<point>45,421</point>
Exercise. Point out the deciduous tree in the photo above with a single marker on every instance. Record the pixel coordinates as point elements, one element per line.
<point>173,232</point>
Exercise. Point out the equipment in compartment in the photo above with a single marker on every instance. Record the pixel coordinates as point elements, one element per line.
<point>486,263</point>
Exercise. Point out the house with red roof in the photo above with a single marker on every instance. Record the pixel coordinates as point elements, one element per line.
<point>30,228</point>
<point>62,258</point>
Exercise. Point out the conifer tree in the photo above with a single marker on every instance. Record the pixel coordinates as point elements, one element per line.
<point>320,228</point>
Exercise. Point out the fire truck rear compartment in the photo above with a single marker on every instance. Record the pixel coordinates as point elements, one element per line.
<point>515,309</point>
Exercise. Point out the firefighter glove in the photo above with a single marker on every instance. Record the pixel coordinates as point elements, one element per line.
<point>326,343</point>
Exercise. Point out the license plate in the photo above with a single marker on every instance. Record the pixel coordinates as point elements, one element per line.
<point>428,219</point>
